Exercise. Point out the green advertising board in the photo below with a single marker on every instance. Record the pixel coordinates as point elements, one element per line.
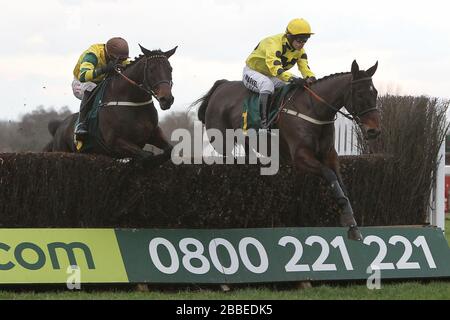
<point>219,256</point>
<point>275,255</point>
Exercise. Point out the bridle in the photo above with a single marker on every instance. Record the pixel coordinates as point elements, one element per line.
<point>145,86</point>
<point>349,101</point>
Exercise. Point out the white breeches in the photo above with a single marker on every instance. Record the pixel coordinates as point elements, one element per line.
<point>259,83</point>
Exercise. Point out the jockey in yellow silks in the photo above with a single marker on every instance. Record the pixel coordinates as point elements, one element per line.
<point>267,66</point>
<point>92,67</point>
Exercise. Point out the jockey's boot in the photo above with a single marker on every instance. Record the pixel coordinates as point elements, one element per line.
<point>263,109</point>
<point>81,130</point>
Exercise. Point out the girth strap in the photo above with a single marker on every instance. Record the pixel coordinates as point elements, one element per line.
<point>305,117</point>
<point>126,104</point>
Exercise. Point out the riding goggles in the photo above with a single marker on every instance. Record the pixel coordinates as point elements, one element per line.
<point>301,38</point>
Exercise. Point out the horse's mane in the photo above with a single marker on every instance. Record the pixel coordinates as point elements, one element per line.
<point>139,57</point>
<point>136,60</point>
<point>334,75</point>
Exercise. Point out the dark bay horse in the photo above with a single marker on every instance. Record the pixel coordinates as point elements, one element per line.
<point>128,118</point>
<point>306,124</point>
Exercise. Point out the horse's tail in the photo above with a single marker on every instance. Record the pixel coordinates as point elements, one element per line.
<point>205,100</point>
<point>53,125</point>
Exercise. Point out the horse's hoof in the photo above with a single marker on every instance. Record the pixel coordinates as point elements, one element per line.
<point>354,234</point>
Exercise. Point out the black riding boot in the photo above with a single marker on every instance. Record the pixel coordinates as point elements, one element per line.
<point>81,130</point>
<point>263,109</point>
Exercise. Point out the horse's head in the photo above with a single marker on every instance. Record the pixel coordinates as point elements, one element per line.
<point>362,101</point>
<point>158,75</point>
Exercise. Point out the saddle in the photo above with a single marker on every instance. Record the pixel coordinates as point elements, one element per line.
<point>251,118</point>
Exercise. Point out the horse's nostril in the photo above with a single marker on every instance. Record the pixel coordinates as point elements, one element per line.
<point>169,100</point>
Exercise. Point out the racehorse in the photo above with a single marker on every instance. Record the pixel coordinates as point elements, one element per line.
<point>127,118</point>
<point>306,124</point>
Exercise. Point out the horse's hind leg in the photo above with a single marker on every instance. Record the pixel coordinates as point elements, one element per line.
<point>306,161</point>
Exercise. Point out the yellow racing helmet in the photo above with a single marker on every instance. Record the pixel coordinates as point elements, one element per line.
<point>298,26</point>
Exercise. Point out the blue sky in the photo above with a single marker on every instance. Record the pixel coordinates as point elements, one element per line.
<point>41,41</point>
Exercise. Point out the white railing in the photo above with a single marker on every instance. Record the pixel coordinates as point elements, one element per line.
<point>346,144</point>
<point>345,141</point>
<point>437,201</point>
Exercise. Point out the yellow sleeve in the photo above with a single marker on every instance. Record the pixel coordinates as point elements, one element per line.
<point>303,66</point>
<point>273,61</point>
<point>87,67</point>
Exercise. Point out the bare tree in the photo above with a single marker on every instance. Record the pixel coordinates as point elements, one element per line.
<point>31,132</point>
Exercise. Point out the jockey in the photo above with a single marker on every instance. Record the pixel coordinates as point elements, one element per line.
<point>92,67</point>
<point>266,67</point>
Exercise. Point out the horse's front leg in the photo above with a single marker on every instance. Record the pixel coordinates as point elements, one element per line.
<point>306,161</point>
<point>347,217</point>
<point>332,161</point>
<point>127,149</point>
<point>146,158</point>
<point>159,140</point>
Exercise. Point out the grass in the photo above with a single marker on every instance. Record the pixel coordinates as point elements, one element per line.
<point>410,290</point>
<point>391,291</point>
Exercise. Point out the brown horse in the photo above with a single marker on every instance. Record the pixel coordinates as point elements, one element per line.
<point>127,118</point>
<point>306,124</point>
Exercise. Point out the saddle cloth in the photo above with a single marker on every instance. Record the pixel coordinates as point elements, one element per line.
<point>94,136</point>
<point>251,118</point>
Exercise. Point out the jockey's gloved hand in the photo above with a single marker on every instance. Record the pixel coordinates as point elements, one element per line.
<point>310,80</point>
<point>105,69</point>
<point>300,82</point>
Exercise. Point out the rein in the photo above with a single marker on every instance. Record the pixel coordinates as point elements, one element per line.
<point>322,100</point>
<point>350,116</point>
